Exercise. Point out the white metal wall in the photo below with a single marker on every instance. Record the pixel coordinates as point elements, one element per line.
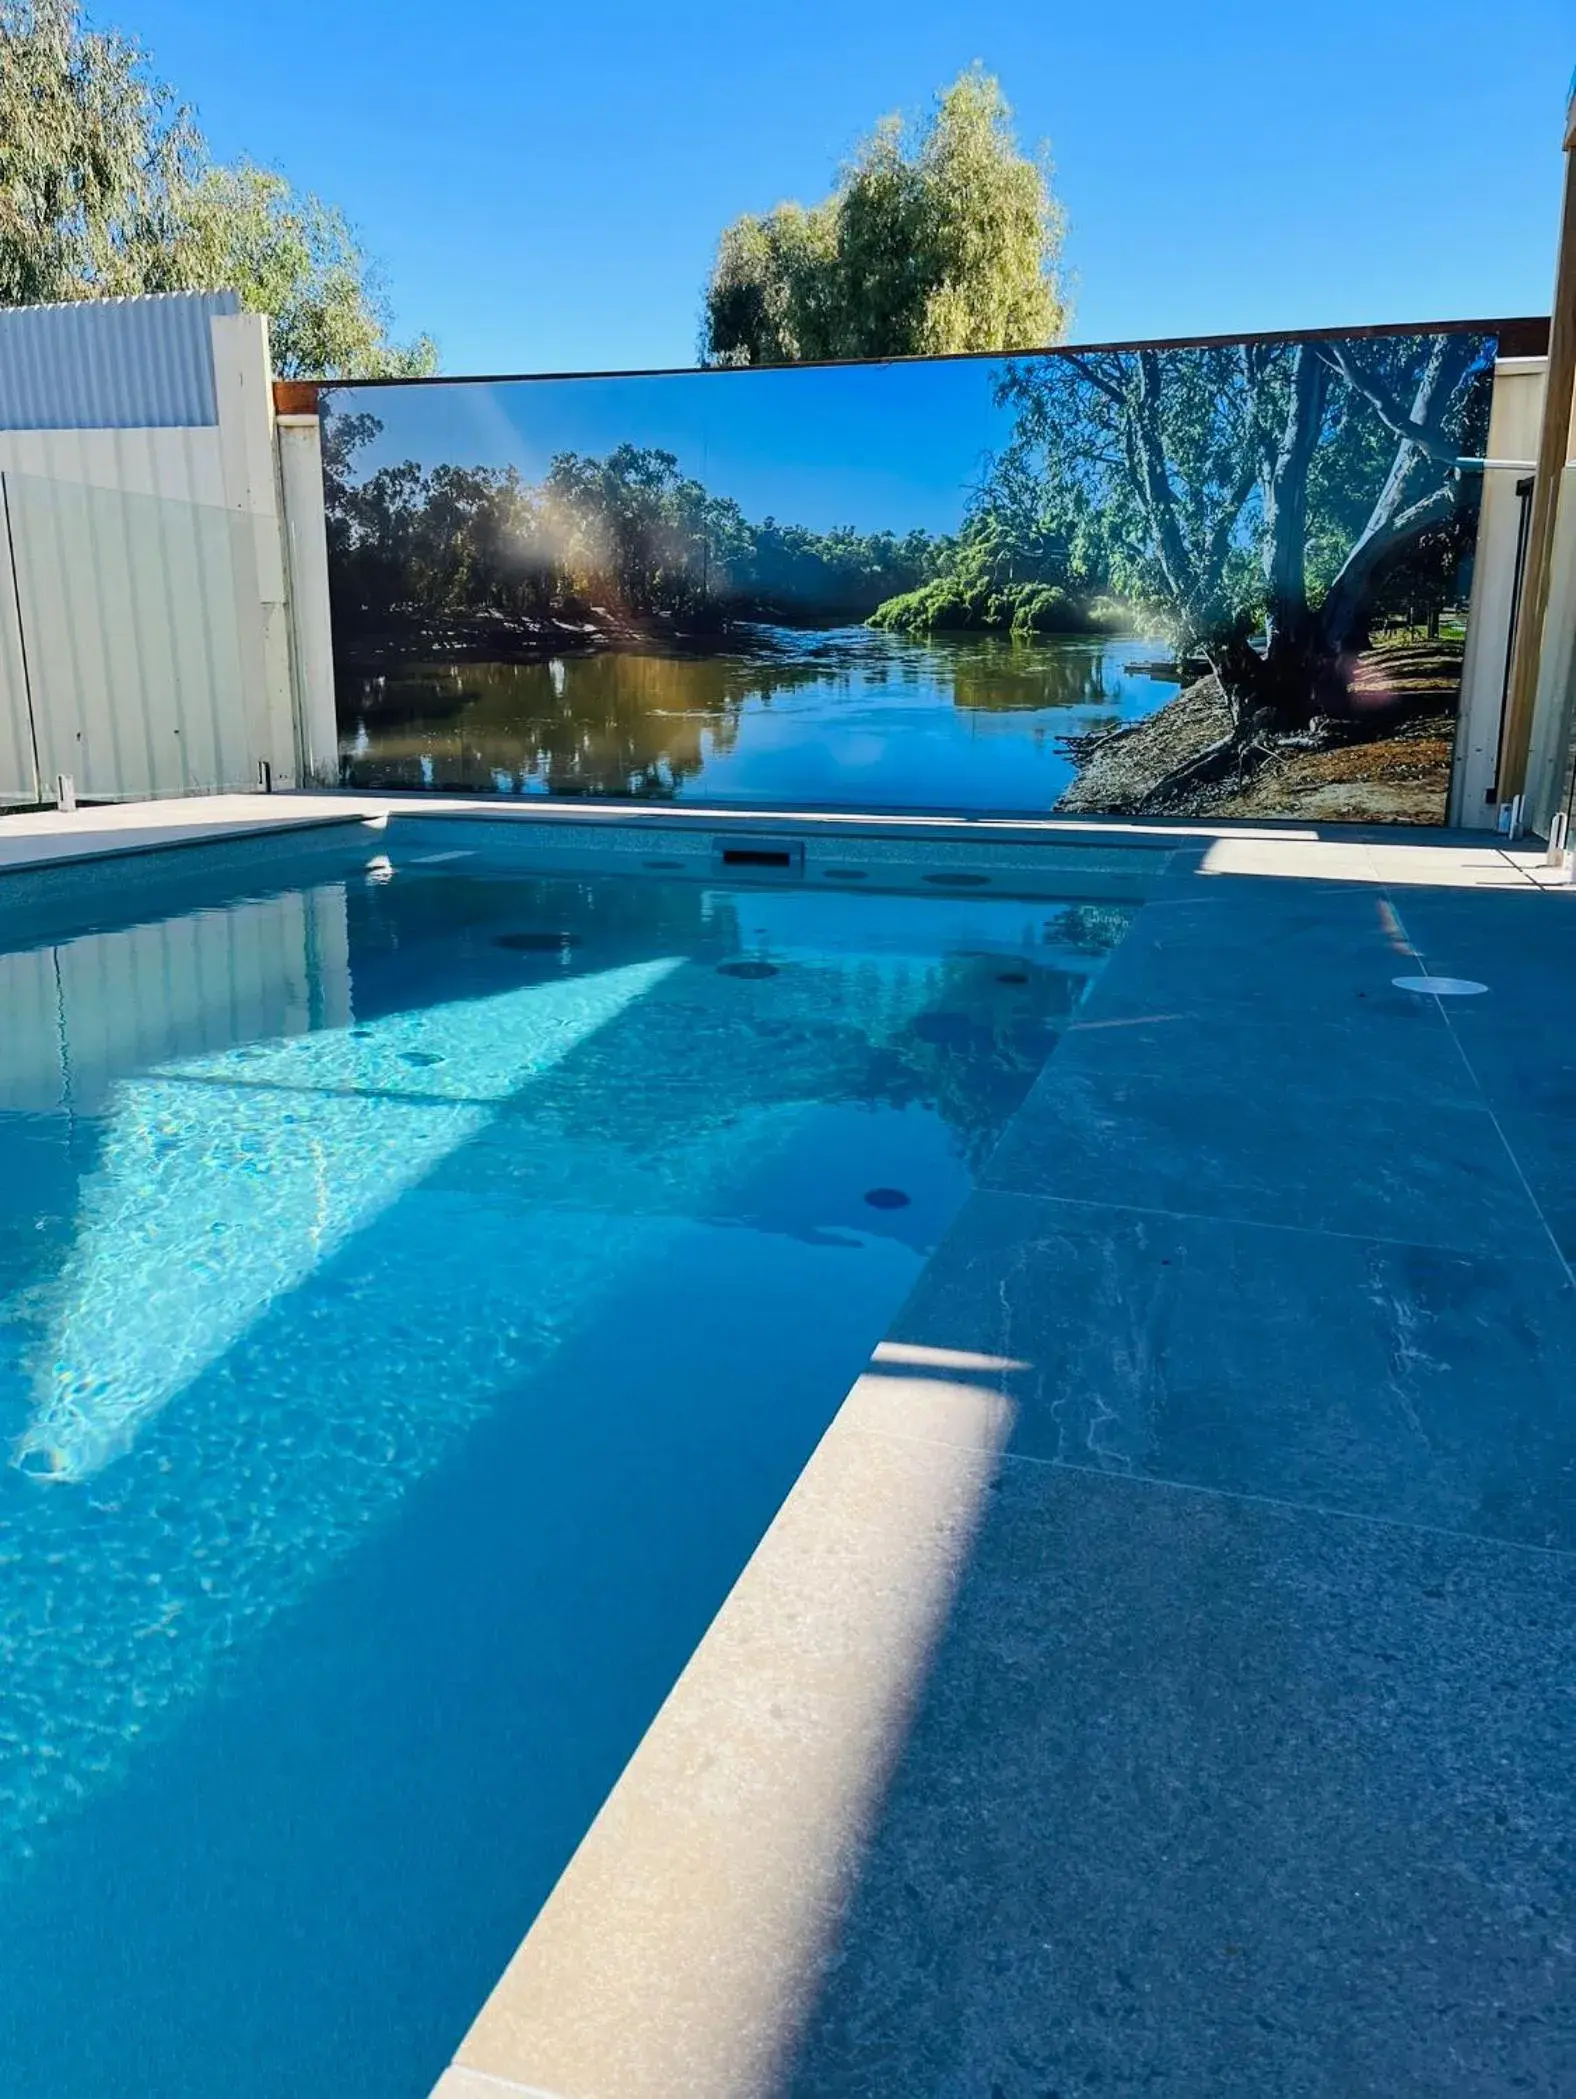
<point>145,633</point>
<point>184,465</point>
<point>128,612</point>
<point>19,770</point>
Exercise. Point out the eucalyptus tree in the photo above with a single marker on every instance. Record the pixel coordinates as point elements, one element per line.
<point>938,238</point>
<point>108,188</point>
<point>1255,496</point>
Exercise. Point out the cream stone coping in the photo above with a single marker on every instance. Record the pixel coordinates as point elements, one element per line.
<point>681,1949</point>
<point>1293,851</point>
<point>42,837</point>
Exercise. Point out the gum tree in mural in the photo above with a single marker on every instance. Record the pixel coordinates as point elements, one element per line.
<point>1259,498</point>
<point>602,550</point>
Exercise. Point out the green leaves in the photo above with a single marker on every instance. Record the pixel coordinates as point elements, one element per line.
<point>942,240</point>
<point>107,188</point>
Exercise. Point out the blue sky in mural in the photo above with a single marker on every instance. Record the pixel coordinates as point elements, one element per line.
<point>879,448</point>
<point>545,190</point>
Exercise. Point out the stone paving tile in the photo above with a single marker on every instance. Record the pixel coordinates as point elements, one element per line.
<point>1386,1380</point>
<point>1396,1050</point>
<point>1323,957</point>
<point>1425,1170</point>
<point>1217,1800</point>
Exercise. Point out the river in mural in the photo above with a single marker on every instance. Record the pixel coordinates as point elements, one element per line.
<point>846,718</point>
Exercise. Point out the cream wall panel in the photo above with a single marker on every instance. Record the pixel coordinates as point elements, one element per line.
<point>18,770</point>
<point>1549,753</point>
<point>306,561</point>
<point>1515,418</point>
<point>185,465</point>
<point>243,386</point>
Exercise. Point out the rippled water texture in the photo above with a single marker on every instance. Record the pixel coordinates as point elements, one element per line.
<point>842,718</point>
<point>403,1342</point>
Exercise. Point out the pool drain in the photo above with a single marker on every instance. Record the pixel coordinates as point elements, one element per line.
<point>746,969</point>
<point>536,943</point>
<point>1440,987</point>
<point>1013,976</point>
<point>887,1199</point>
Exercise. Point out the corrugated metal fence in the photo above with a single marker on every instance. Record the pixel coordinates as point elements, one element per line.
<point>144,644</point>
<point>111,364</point>
<point>119,642</point>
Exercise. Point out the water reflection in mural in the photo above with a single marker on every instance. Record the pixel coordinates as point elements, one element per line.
<point>850,717</point>
<point>1220,579</point>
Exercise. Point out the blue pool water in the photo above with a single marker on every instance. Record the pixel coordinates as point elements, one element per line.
<point>419,1286</point>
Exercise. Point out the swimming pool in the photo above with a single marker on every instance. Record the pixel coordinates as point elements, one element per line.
<point>421,1279</point>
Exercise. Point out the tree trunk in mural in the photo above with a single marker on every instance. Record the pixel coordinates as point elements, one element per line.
<point>1218,465</point>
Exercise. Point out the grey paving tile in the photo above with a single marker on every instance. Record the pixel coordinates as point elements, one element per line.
<point>1521,944</point>
<point>1540,1129</point>
<point>1519,1043</point>
<point>1386,1380</point>
<point>1407,1053</point>
<point>1278,953</point>
<point>1220,1801</point>
<point>1233,1143</point>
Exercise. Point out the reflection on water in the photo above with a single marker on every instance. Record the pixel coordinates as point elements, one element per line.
<point>841,718</point>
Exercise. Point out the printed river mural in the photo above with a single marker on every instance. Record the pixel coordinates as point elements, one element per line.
<point>1219,579</point>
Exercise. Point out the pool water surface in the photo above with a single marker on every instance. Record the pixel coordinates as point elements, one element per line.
<point>419,1287</point>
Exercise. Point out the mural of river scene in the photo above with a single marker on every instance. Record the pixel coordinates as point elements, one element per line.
<point>1219,579</point>
<point>847,718</point>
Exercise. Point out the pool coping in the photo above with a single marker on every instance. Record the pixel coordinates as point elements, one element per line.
<point>38,839</point>
<point>683,1946</point>
<point>59,838</point>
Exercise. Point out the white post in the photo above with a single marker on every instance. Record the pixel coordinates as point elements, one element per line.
<point>243,381</point>
<point>306,564</point>
<point>1515,413</point>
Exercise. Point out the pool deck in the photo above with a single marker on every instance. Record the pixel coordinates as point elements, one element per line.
<point>1163,1676</point>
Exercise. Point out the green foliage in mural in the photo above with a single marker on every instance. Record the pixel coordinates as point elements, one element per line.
<point>627,537</point>
<point>1266,505</point>
<point>1257,498</point>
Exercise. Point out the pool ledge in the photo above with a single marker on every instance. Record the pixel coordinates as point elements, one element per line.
<point>55,837</point>
<point>1149,856</point>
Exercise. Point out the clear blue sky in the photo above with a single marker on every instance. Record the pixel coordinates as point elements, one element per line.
<point>878,448</point>
<point>544,185</point>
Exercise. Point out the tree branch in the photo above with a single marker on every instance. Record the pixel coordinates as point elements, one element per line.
<point>1415,426</point>
<point>1344,599</point>
<point>1085,370</point>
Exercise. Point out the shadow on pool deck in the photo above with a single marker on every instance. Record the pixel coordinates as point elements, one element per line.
<point>1230,1433</point>
<point>1244,1764</point>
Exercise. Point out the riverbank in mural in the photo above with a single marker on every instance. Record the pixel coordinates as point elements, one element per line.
<point>1218,579</point>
